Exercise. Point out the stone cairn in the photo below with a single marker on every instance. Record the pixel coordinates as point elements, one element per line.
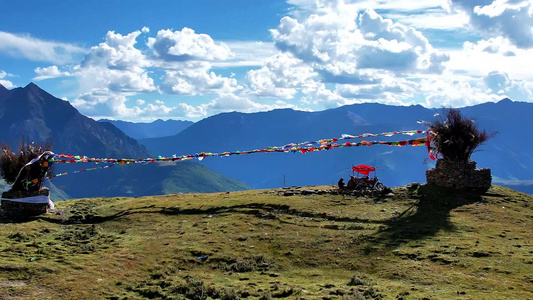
<point>21,209</point>
<point>459,175</point>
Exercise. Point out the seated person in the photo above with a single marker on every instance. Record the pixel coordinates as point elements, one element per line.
<point>341,183</point>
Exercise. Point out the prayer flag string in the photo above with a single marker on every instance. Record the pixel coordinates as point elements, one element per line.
<point>321,145</point>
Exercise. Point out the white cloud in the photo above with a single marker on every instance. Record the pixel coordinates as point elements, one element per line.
<point>474,59</point>
<point>498,45</point>
<point>509,18</point>
<point>499,83</point>
<point>187,45</point>
<point>280,76</point>
<point>140,101</point>
<point>155,110</point>
<point>115,80</point>
<point>6,83</point>
<point>307,7</point>
<point>25,46</point>
<point>247,53</point>
<point>452,90</point>
<point>318,94</point>
<point>102,103</point>
<point>189,111</point>
<point>432,19</point>
<point>196,79</point>
<point>359,55</point>
<point>340,35</point>
<point>110,72</point>
<point>399,5</point>
<point>118,52</point>
<point>159,102</point>
<point>49,72</point>
<point>145,29</point>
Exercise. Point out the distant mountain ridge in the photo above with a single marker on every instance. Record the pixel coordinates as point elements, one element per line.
<point>155,129</point>
<point>37,116</point>
<point>507,154</point>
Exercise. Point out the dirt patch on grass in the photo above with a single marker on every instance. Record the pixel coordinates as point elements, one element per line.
<point>13,283</point>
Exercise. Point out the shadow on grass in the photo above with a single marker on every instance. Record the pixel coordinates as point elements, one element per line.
<point>259,210</point>
<point>263,210</point>
<point>9,219</point>
<point>91,218</point>
<point>424,219</point>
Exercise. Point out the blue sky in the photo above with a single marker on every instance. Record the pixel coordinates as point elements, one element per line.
<point>144,60</point>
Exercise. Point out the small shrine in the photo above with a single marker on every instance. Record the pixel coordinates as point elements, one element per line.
<point>25,172</point>
<point>455,138</point>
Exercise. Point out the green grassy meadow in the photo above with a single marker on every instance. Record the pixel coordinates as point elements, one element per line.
<point>417,244</point>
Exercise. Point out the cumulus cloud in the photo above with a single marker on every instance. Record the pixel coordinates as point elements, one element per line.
<point>102,103</point>
<point>49,72</point>
<point>318,94</point>
<point>247,54</point>
<point>118,52</point>
<point>6,83</point>
<point>341,34</point>
<point>187,45</point>
<point>496,45</point>
<point>434,18</point>
<point>111,72</point>
<point>117,69</point>
<point>338,54</point>
<point>452,90</point>
<point>499,83</point>
<point>509,18</point>
<point>480,58</point>
<point>196,79</point>
<point>280,76</point>
<point>25,46</point>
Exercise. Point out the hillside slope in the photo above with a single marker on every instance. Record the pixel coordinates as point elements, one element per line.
<point>147,179</point>
<point>258,245</point>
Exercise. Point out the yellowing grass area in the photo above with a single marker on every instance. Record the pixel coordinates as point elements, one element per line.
<point>417,244</point>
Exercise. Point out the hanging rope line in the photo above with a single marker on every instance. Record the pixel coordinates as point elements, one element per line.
<point>319,145</point>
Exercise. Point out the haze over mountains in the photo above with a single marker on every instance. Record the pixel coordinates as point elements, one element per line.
<point>155,129</point>
<point>37,116</point>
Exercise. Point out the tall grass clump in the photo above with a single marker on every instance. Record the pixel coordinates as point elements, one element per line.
<point>11,163</point>
<point>457,137</point>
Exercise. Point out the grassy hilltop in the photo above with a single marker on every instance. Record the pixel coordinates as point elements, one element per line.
<point>259,245</point>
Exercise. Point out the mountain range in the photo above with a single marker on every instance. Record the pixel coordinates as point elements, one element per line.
<point>508,153</point>
<point>36,116</point>
<point>155,129</point>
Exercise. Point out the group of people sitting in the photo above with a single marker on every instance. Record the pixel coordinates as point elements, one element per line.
<point>355,182</point>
